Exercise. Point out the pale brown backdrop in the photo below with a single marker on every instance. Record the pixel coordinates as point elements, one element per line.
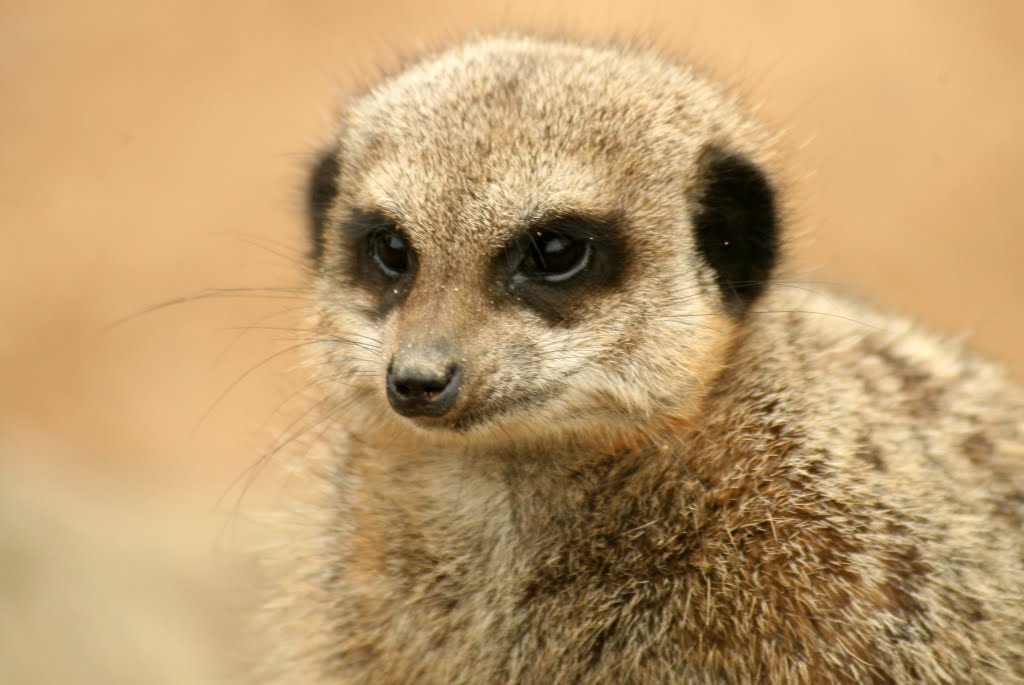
<point>151,151</point>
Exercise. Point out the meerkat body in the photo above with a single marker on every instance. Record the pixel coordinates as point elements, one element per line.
<point>577,433</point>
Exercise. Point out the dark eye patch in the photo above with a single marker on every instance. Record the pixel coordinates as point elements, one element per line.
<point>381,259</point>
<point>558,262</point>
<point>361,223</point>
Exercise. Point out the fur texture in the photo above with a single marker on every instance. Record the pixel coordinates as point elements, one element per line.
<point>689,472</point>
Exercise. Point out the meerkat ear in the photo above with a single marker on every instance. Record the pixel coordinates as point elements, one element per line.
<point>321,189</point>
<point>735,225</point>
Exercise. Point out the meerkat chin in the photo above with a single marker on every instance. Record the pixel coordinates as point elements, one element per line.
<point>578,432</point>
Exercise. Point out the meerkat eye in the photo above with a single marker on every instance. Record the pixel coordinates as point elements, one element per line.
<point>391,252</point>
<point>555,257</point>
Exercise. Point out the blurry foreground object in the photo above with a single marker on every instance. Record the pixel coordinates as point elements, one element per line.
<point>108,593</point>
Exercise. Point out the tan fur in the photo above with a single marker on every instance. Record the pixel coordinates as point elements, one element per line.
<point>810,493</point>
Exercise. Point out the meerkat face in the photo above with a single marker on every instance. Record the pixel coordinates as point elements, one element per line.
<point>520,234</point>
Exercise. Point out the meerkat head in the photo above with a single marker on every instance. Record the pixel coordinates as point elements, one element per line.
<point>520,235</point>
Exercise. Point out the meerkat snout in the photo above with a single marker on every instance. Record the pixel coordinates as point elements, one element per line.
<point>423,382</point>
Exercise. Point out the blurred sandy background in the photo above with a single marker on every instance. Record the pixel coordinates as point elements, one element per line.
<point>154,151</point>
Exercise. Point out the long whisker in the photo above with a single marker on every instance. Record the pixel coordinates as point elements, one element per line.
<point>243,330</point>
<point>276,248</point>
<point>281,293</point>
<point>804,311</point>
<point>250,473</point>
<point>328,336</point>
<point>329,378</point>
<point>245,374</point>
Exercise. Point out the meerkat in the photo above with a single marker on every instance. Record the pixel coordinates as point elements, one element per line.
<point>578,430</point>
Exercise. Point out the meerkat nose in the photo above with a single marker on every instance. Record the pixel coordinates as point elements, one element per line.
<point>423,389</point>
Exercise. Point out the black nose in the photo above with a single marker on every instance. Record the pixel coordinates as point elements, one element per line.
<point>422,391</point>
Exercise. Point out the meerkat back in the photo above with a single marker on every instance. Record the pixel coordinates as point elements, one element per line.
<point>576,431</point>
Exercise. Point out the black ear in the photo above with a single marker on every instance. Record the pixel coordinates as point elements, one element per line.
<point>320,193</point>
<point>735,225</point>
